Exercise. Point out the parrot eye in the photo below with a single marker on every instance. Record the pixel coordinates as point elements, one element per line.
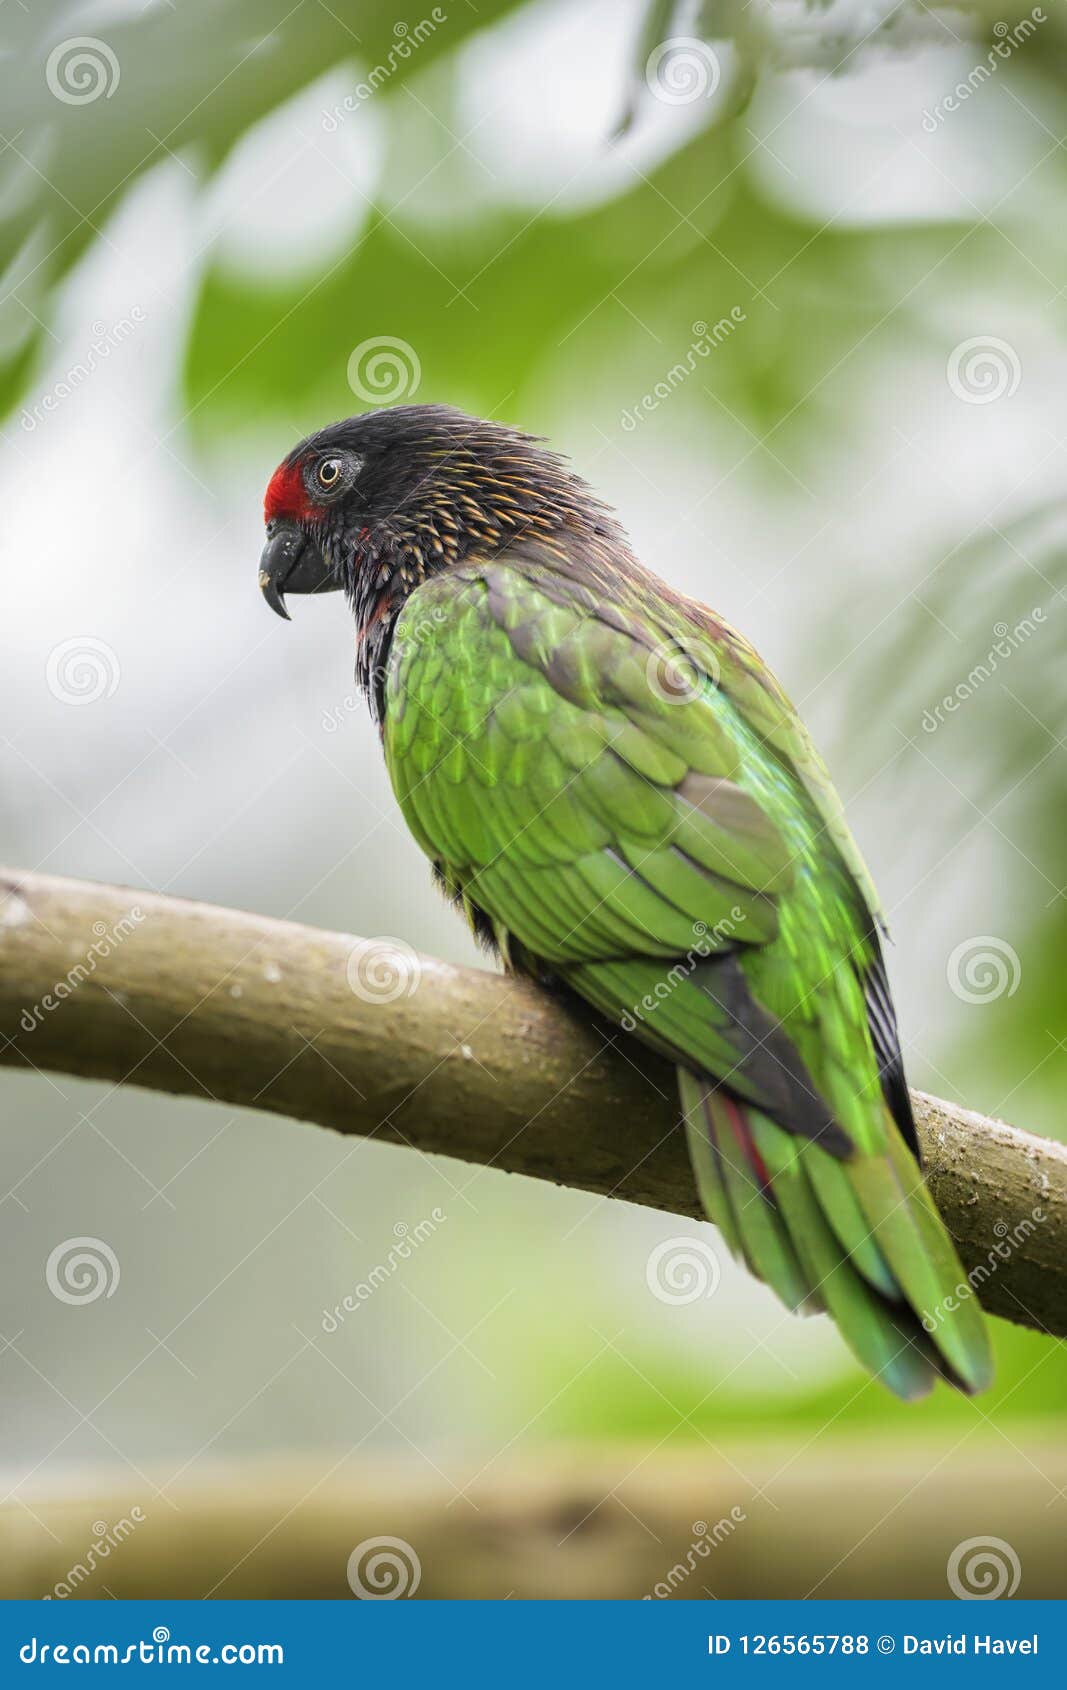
<point>329,473</point>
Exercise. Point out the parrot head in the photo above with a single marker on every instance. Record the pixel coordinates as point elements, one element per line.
<point>375,504</point>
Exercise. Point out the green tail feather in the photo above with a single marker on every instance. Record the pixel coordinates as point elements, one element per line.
<point>860,1238</point>
<point>901,1212</point>
<point>838,1201</point>
<point>747,1218</point>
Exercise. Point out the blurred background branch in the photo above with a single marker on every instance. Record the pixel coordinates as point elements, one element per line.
<point>623,1524</point>
<point>373,1040</point>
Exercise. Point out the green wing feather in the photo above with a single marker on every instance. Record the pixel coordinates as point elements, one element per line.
<point>621,795</point>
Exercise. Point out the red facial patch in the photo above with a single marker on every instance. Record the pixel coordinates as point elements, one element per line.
<point>286,495</point>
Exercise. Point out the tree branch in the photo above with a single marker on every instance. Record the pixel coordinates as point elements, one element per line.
<point>367,1038</point>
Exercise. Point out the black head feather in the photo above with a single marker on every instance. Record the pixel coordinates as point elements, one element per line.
<point>417,489</point>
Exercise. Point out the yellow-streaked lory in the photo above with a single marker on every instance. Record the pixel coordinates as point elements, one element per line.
<point>617,792</point>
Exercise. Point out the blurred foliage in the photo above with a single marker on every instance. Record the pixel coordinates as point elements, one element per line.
<point>613,1399</point>
<point>64,166</point>
<point>491,292</point>
<point>988,651</point>
<point>190,78</point>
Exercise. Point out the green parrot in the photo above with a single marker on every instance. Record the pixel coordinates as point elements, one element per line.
<point>620,797</point>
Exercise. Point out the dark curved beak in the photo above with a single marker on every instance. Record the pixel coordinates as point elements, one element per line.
<point>291,563</point>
